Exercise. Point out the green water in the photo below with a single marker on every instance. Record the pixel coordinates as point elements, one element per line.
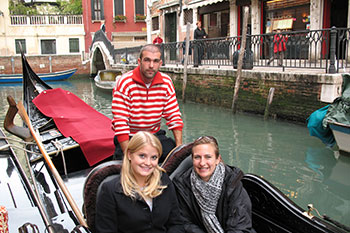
<point>283,153</point>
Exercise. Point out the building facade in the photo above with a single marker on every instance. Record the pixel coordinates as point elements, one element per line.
<point>124,21</point>
<point>40,34</point>
<point>224,18</point>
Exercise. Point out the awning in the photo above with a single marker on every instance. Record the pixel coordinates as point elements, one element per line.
<point>200,3</point>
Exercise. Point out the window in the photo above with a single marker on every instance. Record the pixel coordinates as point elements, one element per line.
<point>188,16</point>
<point>155,23</point>
<point>213,19</point>
<point>20,44</point>
<point>48,46</point>
<point>118,7</point>
<point>139,7</point>
<point>74,45</point>
<point>97,10</point>
<point>140,38</point>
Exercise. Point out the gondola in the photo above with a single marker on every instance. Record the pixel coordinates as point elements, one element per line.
<point>106,79</point>
<point>73,133</point>
<point>31,203</point>
<point>331,123</point>
<point>54,76</point>
<point>272,211</point>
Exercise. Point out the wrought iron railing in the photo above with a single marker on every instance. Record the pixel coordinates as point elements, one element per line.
<point>326,49</point>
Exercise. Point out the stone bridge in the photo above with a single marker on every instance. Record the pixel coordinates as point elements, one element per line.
<point>101,53</point>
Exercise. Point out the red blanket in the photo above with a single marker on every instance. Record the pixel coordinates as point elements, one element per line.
<point>74,118</point>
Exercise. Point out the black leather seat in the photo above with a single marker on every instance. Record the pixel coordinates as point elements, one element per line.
<point>108,170</point>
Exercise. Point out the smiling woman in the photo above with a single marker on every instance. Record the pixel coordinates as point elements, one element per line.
<point>142,198</point>
<point>211,195</point>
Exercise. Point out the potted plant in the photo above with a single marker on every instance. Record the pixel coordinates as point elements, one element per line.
<point>120,18</point>
<point>140,18</point>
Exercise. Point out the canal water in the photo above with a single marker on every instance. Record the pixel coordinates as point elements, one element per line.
<point>281,152</point>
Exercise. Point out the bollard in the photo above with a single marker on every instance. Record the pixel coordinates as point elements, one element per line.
<point>13,65</point>
<point>268,103</point>
<point>332,68</point>
<point>50,58</point>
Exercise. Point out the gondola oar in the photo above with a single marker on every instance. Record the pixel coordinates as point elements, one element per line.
<point>22,112</point>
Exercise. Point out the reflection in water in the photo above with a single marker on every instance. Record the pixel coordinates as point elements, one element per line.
<point>331,176</point>
<point>283,153</point>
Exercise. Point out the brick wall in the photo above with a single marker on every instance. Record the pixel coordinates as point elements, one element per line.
<point>296,96</point>
<point>41,64</point>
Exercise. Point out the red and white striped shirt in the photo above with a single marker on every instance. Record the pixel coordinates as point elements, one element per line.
<point>138,108</point>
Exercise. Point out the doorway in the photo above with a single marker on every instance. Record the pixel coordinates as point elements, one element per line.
<point>170,34</point>
<point>339,19</point>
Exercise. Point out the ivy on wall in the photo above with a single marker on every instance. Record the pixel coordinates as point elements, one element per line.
<point>62,7</point>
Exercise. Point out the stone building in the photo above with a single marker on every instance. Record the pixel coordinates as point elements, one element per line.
<point>40,34</point>
<point>223,18</point>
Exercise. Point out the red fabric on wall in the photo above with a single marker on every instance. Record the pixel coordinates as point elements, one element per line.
<point>74,118</point>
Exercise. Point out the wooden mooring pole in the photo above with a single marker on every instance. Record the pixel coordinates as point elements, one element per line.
<point>240,59</point>
<point>187,45</point>
<point>268,103</point>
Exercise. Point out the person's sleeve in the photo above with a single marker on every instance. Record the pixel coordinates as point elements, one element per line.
<point>185,212</point>
<point>121,114</point>
<point>171,111</point>
<point>106,220</point>
<point>195,36</point>
<point>239,219</point>
<point>175,223</point>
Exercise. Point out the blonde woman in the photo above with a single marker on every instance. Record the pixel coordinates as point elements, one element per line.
<point>142,198</point>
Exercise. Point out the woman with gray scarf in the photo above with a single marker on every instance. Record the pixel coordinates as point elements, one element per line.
<point>210,194</point>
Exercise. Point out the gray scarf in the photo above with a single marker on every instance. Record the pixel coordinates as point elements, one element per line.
<point>207,195</point>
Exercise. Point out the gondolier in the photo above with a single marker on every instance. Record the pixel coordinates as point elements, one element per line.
<point>141,98</point>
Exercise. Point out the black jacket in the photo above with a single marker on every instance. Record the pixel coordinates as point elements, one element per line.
<point>116,212</point>
<point>199,33</point>
<point>233,209</point>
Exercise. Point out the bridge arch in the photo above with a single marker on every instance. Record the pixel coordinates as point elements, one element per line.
<point>101,53</point>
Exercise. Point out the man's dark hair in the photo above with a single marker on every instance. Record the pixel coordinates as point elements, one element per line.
<point>151,48</point>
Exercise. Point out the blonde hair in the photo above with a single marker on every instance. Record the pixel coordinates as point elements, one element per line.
<point>153,186</point>
<point>207,140</point>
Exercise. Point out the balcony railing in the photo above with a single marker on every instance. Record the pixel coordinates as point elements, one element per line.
<point>327,49</point>
<point>46,19</point>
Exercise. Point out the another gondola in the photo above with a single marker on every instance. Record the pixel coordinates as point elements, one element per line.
<point>106,79</point>
<point>54,76</point>
<point>68,153</point>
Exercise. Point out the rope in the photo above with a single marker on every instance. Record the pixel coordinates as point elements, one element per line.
<point>59,147</point>
<point>5,147</point>
<point>16,140</point>
<point>18,147</point>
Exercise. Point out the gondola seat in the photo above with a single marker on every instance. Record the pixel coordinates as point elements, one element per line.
<point>272,211</point>
<point>108,170</point>
<point>93,181</point>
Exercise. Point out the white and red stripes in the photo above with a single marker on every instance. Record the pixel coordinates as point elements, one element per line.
<point>138,108</point>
